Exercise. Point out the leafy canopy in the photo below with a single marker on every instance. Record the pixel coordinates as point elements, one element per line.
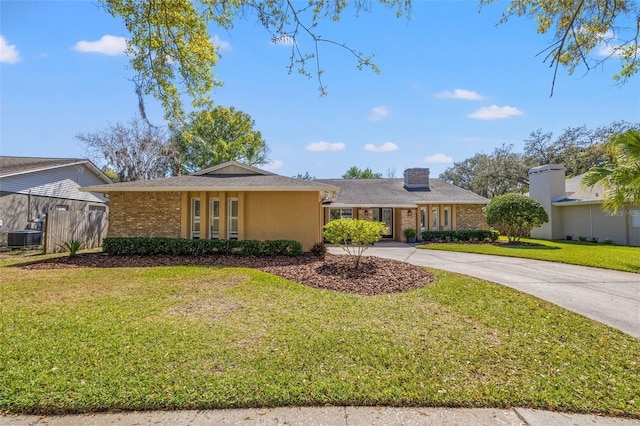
<point>172,52</point>
<point>356,173</point>
<point>504,171</point>
<point>514,215</point>
<point>621,176</point>
<point>583,28</point>
<point>354,236</point>
<point>220,134</point>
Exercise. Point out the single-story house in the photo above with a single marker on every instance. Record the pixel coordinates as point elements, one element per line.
<point>227,201</point>
<point>575,210</point>
<point>31,186</point>
<point>236,201</point>
<point>415,201</point>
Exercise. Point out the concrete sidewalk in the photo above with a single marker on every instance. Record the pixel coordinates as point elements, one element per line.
<point>610,297</point>
<point>330,416</point>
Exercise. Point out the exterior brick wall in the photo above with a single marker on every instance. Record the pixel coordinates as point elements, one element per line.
<point>406,221</point>
<point>360,214</point>
<point>469,216</point>
<point>144,214</point>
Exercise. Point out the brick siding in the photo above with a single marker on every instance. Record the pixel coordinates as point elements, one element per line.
<point>469,216</point>
<point>144,214</point>
<point>406,222</point>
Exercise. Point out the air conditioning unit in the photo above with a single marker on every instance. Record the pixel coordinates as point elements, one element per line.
<point>25,238</point>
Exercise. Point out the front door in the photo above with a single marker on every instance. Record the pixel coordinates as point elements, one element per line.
<point>384,215</point>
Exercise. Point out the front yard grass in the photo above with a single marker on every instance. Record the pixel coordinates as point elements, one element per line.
<point>621,258</point>
<point>91,339</point>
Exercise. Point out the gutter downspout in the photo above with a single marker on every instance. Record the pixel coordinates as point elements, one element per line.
<point>590,221</point>
<point>28,207</point>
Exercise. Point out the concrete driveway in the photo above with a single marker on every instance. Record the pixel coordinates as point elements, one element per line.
<point>610,297</point>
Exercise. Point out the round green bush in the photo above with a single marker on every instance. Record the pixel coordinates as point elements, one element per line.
<point>514,215</point>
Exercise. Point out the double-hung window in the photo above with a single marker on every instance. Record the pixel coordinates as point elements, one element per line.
<point>232,216</point>
<point>446,218</point>
<point>214,218</point>
<point>195,218</point>
<point>435,220</point>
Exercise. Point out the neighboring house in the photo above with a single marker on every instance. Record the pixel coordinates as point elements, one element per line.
<point>415,201</point>
<point>32,186</point>
<point>575,210</point>
<point>227,201</point>
<point>236,201</point>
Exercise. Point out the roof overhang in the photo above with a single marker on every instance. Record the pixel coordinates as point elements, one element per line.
<point>401,206</point>
<point>576,203</point>
<point>368,206</point>
<point>86,163</point>
<point>105,189</point>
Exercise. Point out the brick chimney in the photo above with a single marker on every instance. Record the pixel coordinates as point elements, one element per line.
<point>416,179</point>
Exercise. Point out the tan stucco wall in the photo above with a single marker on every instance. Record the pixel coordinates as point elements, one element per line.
<point>144,214</point>
<point>283,215</point>
<point>261,216</point>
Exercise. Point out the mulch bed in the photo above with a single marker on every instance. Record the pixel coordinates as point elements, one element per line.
<point>331,272</point>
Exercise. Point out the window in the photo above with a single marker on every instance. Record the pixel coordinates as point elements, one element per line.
<point>232,215</point>
<point>340,214</point>
<point>195,218</point>
<point>423,219</point>
<point>435,222</point>
<point>214,218</point>
<point>446,219</point>
<point>62,207</point>
<point>102,209</point>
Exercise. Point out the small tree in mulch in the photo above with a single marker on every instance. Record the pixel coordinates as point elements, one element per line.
<point>515,215</point>
<point>353,235</point>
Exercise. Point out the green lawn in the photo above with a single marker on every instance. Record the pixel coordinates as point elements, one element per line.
<point>80,340</point>
<point>621,258</point>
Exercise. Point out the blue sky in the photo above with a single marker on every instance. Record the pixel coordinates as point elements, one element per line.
<point>452,84</point>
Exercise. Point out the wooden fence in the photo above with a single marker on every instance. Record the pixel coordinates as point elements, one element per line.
<point>88,227</point>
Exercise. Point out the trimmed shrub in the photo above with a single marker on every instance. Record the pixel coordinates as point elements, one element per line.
<point>462,236</point>
<point>353,235</point>
<point>150,246</point>
<point>515,215</point>
<point>319,249</point>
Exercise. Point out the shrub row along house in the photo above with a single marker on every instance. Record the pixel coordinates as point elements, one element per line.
<point>236,201</point>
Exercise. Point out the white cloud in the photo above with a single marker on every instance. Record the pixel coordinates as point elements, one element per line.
<point>325,146</point>
<point>378,113</point>
<point>8,52</point>
<point>220,44</point>
<point>467,95</point>
<point>273,165</point>
<point>107,45</point>
<point>283,40</point>
<point>494,112</point>
<point>385,147</point>
<point>438,158</point>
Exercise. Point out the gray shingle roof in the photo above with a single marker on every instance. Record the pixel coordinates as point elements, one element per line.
<point>10,166</point>
<point>17,165</point>
<point>224,182</point>
<point>391,192</point>
<point>576,191</point>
